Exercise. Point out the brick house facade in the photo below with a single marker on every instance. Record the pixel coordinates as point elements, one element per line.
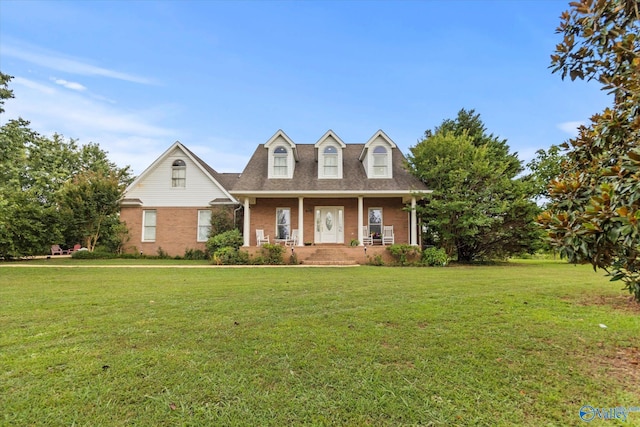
<point>328,192</point>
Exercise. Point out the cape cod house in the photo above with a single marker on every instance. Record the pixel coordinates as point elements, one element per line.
<point>328,193</point>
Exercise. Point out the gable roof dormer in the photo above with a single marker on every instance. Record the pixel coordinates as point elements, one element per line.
<point>329,155</point>
<point>377,156</point>
<point>283,156</point>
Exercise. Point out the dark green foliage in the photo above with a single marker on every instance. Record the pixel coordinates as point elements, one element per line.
<point>225,246</point>
<point>53,191</point>
<point>5,92</point>
<point>222,220</point>
<point>228,255</point>
<point>594,213</point>
<point>546,166</point>
<point>434,257</point>
<point>478,209</point>
<point>376,261</point>
<point>195,254</point>
<point>93,255</point>
<point>162,254</point>
<point>230,238</point>
<point>272,254</point>
<point>404,254</point>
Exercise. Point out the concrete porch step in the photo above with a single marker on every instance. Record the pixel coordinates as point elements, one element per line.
<point>329,256</point>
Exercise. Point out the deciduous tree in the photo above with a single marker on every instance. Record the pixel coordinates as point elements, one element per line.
<point>478,209</point>
<point>34,211</point>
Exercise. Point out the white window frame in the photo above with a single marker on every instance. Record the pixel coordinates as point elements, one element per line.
<point>330,162</point>
<point>369,223</point>
<point>149,225</point>
<point>286,225</point>
<point>280,162</point>
<point>179,174</point>
<point>380,162</point>
<point>204,225</point>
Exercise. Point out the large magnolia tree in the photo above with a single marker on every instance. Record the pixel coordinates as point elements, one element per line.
<point>594,214</point>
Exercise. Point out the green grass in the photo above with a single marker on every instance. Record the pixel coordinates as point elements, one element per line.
<point>493,345</point>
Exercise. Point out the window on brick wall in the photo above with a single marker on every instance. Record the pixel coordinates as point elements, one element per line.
<point>204,225</point>
<point>149,226</point>
<point>283,223</point>
<point>375,221</point>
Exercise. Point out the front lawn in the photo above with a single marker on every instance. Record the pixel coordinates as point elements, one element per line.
<point>523,344</point>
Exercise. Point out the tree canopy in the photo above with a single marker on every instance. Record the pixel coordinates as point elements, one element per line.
<point>594,213</point>
<point>53,191</point>
<point>478,208</point>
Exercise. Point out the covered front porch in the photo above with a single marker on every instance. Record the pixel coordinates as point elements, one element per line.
<point>346,221</point>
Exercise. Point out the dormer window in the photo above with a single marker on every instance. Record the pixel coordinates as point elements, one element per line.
<point>329,152</point>
<point>330,162</point>
<point>280,162</point>
<point>380,162</point>
<point>179,174</point>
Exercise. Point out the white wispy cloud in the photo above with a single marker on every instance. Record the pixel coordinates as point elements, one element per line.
<point>60,62</point>
<point>221,161</point>
<point>132,137</point>
<point>570,127</point>
<point>69,85</point>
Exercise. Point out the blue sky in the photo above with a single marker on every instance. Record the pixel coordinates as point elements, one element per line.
<point>222,77</point>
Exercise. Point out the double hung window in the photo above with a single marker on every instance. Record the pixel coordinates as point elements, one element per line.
<point>280,162</point>
<point>204,225</point>
<point>149,226</point>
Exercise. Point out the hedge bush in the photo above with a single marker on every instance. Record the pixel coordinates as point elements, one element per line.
<point>231,238</point>
<point>435,257</point>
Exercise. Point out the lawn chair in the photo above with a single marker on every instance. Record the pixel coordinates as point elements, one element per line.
<point>293,239</point>
<point>75,248</point>
<point>367,238</point>
<point>261,239</point>
<point>57,250</point>
<point>387,235</point>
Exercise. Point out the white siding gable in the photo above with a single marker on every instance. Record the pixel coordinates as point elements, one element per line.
<point>154,187</point>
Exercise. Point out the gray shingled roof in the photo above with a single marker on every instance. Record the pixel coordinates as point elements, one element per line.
<point>305,177</point>
<point>227,180</point>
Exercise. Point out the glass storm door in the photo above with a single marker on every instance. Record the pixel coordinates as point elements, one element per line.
<point>328,225</point>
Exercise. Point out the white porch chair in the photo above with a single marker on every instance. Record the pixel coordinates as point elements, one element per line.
<point>260,237</point>
<point>293,239</point>
<point>387,235</point>
<point>367,238</point>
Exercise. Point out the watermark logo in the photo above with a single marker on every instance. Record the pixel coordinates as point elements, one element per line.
<point>589,413</point>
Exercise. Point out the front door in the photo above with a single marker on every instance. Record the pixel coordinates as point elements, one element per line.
<point>329,227</point>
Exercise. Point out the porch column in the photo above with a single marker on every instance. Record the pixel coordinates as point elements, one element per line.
<point>300,221</point>
<point>360,212</point>
<point>246,229</point>
<point>414,223</point>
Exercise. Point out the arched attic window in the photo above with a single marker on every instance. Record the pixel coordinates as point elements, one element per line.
<point>179,174</point>
<point>380,162</point>
<point>330,161</point>
<point>280,161</point>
